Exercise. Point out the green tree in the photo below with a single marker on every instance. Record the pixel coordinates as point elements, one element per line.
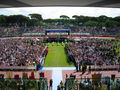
<point>102,18</point>
<point>75,16</point>
<point>64,17</point>
<point>90,23</point>
<point>110,23</point>
<point>36,17</point>
<point>18,20</point>
<point>2,20</point>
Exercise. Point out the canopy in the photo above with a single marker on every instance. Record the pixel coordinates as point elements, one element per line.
<point>80,3</point>
<point>57,30</point>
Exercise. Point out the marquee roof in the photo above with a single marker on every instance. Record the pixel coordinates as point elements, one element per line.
<point>81,3</point>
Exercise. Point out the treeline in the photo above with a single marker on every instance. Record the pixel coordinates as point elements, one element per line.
<point>37,20</point>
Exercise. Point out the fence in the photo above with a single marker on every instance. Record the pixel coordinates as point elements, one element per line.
<point>105,83</point>
<point>23,84</point>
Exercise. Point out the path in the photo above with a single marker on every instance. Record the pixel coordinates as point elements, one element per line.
<point>57,74</point>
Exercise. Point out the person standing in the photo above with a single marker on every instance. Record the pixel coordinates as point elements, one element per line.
<point>89,69</point>
<point>51,82</point>
<point>58,87</point>
<point>61,85</point>
<point>79,66</point>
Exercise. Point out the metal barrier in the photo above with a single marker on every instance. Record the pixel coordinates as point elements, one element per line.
<point>23,84</point>
<point>43,84</point>
<point>105,83</point>
<point>17,68</point>
<point>105,67</point>
<point>69,84</point>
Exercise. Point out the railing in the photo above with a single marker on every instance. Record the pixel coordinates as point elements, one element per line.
<point>23,84</point>
<point>105,67</point>
<point>102,67</point>
<point>105,83</point>
<point>15,68</point>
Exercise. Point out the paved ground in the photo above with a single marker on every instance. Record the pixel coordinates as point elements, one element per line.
<point>57,74</point>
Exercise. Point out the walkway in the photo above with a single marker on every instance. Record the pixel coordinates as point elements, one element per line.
<point>57,74</point>
<point>57,77</point>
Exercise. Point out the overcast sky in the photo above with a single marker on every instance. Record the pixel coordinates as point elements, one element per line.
<point>55,12</point>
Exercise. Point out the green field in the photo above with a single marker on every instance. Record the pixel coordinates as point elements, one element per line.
<point>57,57</point>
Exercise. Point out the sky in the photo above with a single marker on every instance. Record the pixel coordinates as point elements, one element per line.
<point>55,12</point>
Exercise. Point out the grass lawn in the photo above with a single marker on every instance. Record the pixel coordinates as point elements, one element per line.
<point>57,57</point>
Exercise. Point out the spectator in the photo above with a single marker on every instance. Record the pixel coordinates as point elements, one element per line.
<point>61,85</point>
<point>94,52</point>
<point>51,82</point>
<point>17,52</point>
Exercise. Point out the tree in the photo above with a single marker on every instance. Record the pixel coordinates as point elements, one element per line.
<point>37,20</point>
<point>117,19</point>
<point>75,16</point>
<point>92,18</point>
<point>110,23</point>
<point>36,17</point>
<point>64,17</point>
<point>18,20</point>
<point>102,18</point>
<point>2,20</point>
<point>76,21</point>
<point>90,23</point>
<point>101,24</point>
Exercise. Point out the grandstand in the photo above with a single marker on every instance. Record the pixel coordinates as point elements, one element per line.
<point>74,59</point>
<point>61,55</point>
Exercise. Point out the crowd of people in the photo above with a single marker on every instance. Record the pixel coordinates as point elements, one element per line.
<point>11,31</point>
<point>14,30</point>
<point>95,30</point>
<point>18,31</point>
<point>20,52</point>
<point>36,29</point>
<point>91,51</point>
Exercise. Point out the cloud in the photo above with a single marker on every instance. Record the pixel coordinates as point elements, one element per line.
<point>55,12</point>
